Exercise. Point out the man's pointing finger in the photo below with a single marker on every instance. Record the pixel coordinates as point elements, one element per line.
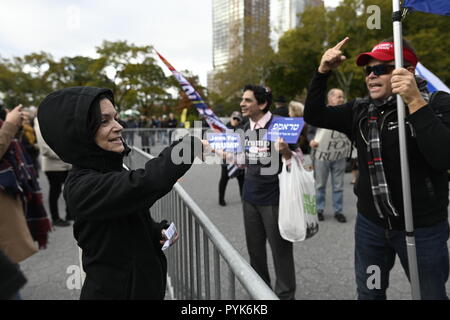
<point>342,43</point>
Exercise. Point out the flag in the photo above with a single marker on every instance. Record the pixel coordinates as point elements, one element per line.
<point>203,109</point>
<point>183,117</point>
<point>434,83</point>
<point>441,7</point>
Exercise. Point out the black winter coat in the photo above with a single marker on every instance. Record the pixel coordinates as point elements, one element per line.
<point>122,255</point>
<point>11,278</point>
<point>428,144</point>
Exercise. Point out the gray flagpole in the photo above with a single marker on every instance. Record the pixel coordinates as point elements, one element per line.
<point>406,185</point>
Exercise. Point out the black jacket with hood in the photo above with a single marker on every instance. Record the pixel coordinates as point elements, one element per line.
<point>428,141</point>
<point>122,255</point>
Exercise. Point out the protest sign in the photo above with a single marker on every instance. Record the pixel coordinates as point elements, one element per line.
<point>333,145</point>
<point>287,128</point>
<point>228,142</point>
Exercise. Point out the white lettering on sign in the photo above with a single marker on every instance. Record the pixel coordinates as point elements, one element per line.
<point>286,126</point>
<point>333,145</point>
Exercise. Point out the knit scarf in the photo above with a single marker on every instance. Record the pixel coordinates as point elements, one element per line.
<point>18,177</point>
<point>380,189</point>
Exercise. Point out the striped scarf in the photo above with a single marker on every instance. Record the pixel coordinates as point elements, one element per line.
<point>380,189</point>
<point>18,176</point>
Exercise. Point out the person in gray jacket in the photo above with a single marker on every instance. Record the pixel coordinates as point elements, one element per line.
<point>56,171</point>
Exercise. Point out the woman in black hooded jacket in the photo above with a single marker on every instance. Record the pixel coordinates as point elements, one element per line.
<point>121,243</point>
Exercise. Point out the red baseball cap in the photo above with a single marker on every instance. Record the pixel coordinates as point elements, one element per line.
<point>384,51</point>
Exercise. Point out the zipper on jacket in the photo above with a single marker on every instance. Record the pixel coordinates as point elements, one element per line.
<point>389,223</point>
<point>392,125</point>
<point>430,187</point>
<point>413,132</point>
<point>381,127</point>
<point>383,120</point>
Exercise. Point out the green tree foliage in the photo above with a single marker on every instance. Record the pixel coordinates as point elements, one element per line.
<point>24,79</point>
<point>430,35</point>
<point>75,71</point>
<point>136,78</point>
<point>184,101</point>
<point>130,71</point>
<point>249,66</point>
<point>289,71</point>
<point>298,55</point>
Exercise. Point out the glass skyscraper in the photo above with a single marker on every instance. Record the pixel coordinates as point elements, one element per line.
<point>286,16</point>
<point>233,21</point>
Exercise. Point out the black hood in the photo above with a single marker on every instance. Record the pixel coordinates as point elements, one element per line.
<point>63,120</point>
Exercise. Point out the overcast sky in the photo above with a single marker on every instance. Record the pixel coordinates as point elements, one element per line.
<point>181,30</point>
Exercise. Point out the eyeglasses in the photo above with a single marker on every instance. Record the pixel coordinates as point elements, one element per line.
<point>379,69</point>
<point>237,119</point>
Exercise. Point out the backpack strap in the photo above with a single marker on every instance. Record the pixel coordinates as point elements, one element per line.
<point>433,95</point>
<point>443,111</point>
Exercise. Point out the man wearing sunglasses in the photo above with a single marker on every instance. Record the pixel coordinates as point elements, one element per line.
<point>371,123</point>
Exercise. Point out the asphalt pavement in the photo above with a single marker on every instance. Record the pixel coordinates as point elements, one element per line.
<point>324,263</point>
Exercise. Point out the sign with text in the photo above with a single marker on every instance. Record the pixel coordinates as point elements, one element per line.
<point>287,128</point>
<point>333,145</point>
<point>228,142</point>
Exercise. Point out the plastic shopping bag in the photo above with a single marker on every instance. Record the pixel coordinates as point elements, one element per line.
<point>297,219</point>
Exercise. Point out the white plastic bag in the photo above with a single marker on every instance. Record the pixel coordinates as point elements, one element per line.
<point>297,216</point>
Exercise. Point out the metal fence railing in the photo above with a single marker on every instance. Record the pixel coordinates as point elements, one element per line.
<point>202,264</point>
<point>149,138</point>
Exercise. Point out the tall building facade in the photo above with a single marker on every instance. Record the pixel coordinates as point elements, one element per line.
<point>286,16</point>
<point>233,22</point>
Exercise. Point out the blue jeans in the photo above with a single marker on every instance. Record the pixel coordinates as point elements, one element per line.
<point>376,246</point>
<point>163,137</point>
<point>321,171</point>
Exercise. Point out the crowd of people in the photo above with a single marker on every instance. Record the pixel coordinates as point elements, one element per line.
<point>161,126</point>
<point>85,156</point>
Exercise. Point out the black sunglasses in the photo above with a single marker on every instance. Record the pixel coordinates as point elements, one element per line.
<point>237,119</point>
<point>379,69</point>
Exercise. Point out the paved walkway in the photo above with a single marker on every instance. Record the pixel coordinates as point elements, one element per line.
<point>324,263</point>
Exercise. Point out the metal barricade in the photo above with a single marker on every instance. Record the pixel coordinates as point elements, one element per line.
<point>196,261</point>
<point>146,138</point>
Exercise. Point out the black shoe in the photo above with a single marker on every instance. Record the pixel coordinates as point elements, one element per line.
<point>320,215</point>
<point>340,217</point>
<point>222,203</point>
<point>61,223</point>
